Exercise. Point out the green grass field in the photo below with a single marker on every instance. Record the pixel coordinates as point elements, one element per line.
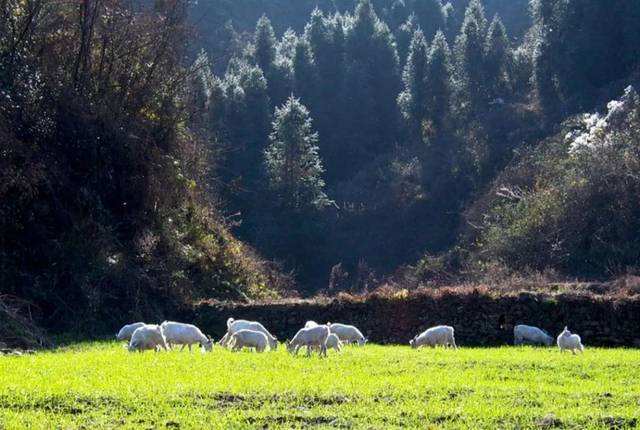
<point>101,385</point>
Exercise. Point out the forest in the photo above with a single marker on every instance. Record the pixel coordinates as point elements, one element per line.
<point>158,152</point>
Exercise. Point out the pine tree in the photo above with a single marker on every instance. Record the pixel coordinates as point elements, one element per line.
<point>305,75</point>
<point>373,83</point>
<point>318,37</point>
<point>497,59</point>
<point>412,100</point>
<point>476,9</point>
<point>287,46</point>
<point>438,89</point>
<point>544,59</point>
<point>264,45</point>
<point>404,35</point>
<point>469,52</point>
<point>247,116</point>
<point>293,166</point>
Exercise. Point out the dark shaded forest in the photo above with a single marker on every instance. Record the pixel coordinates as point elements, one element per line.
<point>155,153</point>
<point>354,138</point>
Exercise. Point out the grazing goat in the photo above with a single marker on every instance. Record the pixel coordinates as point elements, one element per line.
<point>183,334</point>
<point>439,335</point>
<point>347,333</point>
<point>234,326</point>
<point>148,337</point>
<point>249,339</point>
<point>312,337</point>
<point>126,332</point>
<point>533,335</point>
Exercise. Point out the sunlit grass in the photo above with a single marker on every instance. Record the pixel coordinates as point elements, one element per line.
<point>102,385</point>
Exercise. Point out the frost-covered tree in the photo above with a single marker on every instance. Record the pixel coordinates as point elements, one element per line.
<point>293,166</point>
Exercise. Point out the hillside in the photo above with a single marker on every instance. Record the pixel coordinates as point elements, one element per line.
<point>156,153</point>
<point>105,211</point>
<point>411,117</point>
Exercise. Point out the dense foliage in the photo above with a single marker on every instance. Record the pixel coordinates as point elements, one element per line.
<point>418,106</point>
<point>101,180</point>
<point>342,138</point>
<point>573,204</point>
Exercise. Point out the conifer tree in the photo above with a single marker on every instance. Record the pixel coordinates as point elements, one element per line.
<point>469,51</point>
<point>497,59</point>
<point>293,166</point>
<point>476,9</point>
<point>412,100</point>
<point>305,75</point>
<point>373,83</point>
<point>264,45</point>
<point>438,89</point>
<point>404,35</point>
<point>318,37</point>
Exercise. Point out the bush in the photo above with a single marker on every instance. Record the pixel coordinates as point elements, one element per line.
<point>574,203</point>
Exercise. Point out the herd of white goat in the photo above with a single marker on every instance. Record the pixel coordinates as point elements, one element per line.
<point>315,337</point>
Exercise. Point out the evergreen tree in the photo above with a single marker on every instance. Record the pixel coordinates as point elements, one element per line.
<point>412,100</point>
<point>325,36</point>
<point>287,47</point>
<point>404,35</point>
<point>243,103</point>
<point>476,9</point>
<point>264,45</point>
<point>305,75</point>
<point>544,59</point>
<point>318,38</point>
<point>440,147</point>
<point>469,52</point>
<point>372,83</point>
<point>497,59</point>
<point>449,17</point>
<point>293,166</point>
<point>438,89</point>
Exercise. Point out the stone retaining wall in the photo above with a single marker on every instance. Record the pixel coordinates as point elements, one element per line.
<point>479,318</point>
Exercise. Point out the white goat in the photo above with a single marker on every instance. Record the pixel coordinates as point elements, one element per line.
<point>149,336</point>
<point>570,342</point>
<point>126,331</point>
<point>347,333</point>
<point>523,334</point>
<point>249,339</point>
<point>312,337</point>
<point>183,334</point>
<point>234,326</point>
<point>439,335</point>
<point>333,342</point>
